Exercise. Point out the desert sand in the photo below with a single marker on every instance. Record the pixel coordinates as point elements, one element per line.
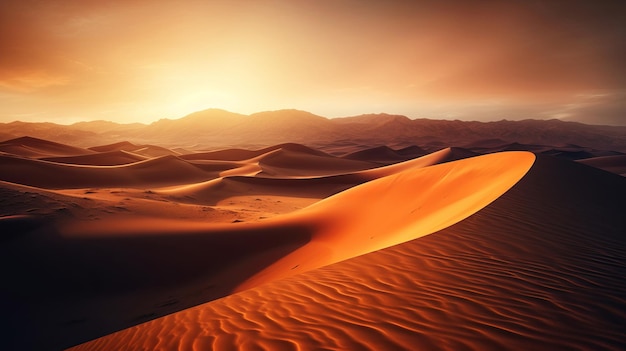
<point>287,247</point>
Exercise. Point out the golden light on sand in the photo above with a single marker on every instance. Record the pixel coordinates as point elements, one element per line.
<point>288,247</point>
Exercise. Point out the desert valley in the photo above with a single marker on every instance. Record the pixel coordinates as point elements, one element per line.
<point>374,232</point>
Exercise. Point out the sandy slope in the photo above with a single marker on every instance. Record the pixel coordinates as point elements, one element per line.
<point>33,147</point>
<point>103,248</point>
<point>143,150</point>
<point>100,276</point>
<point>245,186</point>
<point>614,164</point>
<point>161,171</point>
<point>540,268</point>
<point>108,158</point>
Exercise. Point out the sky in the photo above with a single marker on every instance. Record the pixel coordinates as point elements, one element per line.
<point>65,61</point>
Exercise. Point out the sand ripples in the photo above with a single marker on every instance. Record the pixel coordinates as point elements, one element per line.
<point>513,276</point>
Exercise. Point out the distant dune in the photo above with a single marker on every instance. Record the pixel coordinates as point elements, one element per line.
<point>110,158</point>
<point>287,247</point>
<point>33,147</point>
<point>161,171</point>
<point>615,164</point>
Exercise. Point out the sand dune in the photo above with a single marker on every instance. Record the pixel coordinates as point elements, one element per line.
<point>382,154</point>
<point>614,164</point>
<point>441,156</point>
<point>127,258</point>
<point>288,163</point>
<point>235,185</point>
<point>144,150</point>
<point>243,154</point>
<point>413,151</point>
<point>119,146</point>
<point>444,194</point>
<point>385,154</point>
<point>33,147</point>
<point>109,158</point>
<point>162,171</point>
<point>540,268</point>
<point>308,250</point>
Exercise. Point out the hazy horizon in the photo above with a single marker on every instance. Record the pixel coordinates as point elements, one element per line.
<point>173,118</point>
<point>66,61</point>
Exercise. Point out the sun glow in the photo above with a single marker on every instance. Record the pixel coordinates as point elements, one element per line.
<point>142,61</point>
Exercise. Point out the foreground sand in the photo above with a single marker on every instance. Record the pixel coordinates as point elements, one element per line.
<point>519,274</point>
<point>540,267</point>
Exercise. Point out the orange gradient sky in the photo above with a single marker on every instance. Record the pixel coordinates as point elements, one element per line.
<point>138,60</point>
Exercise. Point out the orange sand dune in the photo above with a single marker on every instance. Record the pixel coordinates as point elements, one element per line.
<point>108,158</point>
<point>143,150</point>
<point>219,190</point>
<point>33,147</point>
<point>101,276</point>
<point>614,164</point>
<point>540,268</point>
<point>243,154</point>
<point>162,171</point>
<point>119,146</point>
<point>154,151</point>
<point>441,156</point>
<point>382,154</point>
<point>444,194</point>
<point>236,184</point>
<point>290,163</point>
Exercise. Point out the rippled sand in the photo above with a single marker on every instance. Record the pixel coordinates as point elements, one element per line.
<point>540,268</point>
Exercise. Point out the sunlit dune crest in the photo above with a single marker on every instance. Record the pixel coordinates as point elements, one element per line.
<point>398,208</point>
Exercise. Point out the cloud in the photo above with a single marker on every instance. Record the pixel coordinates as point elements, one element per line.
<point>125,56</point>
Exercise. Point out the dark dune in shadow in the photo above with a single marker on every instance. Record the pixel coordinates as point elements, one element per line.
<point>108,158</point>
<point>614,164</point>
<point>160,171</point>
<point>34,147</point>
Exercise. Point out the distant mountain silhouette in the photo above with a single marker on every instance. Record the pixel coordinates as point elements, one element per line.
<point>218,129</point>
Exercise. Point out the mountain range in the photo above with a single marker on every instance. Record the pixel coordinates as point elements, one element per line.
<point>215,128</point>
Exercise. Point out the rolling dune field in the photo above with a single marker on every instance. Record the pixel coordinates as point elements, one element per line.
<point>127,247</point>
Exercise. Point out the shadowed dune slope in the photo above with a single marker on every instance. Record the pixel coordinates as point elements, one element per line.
<point>614,164</point>
<point>119,146</point>
<point>83,279</point>
<point>385,154</point>
<point>288,163</point>
<point>380,154</point>
<point>162,171</point>
<point>143,150</point>
<point>540,268</point>
<point>33,147</point>
<point>213,191</point>
<point>244,154</point>
<point>109,158</point>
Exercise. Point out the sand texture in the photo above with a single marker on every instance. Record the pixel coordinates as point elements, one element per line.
<point>290,248</point>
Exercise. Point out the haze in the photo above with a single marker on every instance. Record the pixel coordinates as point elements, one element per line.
<point>126,61</point>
